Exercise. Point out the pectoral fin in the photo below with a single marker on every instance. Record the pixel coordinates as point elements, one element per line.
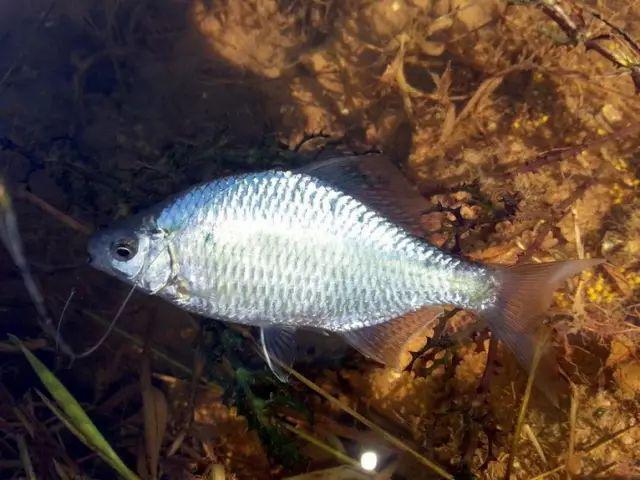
<point>385,343</point>
<point>279,343</point>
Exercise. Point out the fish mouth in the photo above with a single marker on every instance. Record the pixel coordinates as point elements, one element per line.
<point>97,250</point>
<point>91,251</point>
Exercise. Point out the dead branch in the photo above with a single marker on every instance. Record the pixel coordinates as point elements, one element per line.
<point>617,46</point>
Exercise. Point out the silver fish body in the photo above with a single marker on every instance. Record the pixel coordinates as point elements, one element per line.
<point>289,249</point>
<point>284,248</point>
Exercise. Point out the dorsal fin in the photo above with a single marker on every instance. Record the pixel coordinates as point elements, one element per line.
<point>385,343</point>
<point>377,183</point>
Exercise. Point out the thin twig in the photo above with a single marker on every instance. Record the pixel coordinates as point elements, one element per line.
<point>575,27</point>
<point>488,374</point>
<point>25,458</point>
<point>548,473</point>
<point>600,443</point>
<point>154,351</point>
<point>365,421</point>
<point>54,212</point>
<point>611,438</point>
<point>185,369</point>
<point>525,402</point>
<point>10,236</point>
<point>560,153</point>
<point>534,440</point>
<point>573,414</point>
<point>6,75</point>
<point>323,446</point>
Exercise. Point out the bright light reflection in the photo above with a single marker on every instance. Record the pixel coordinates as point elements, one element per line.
<point>369,461</point>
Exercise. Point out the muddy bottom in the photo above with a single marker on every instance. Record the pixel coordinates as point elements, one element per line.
<point>520,129</point>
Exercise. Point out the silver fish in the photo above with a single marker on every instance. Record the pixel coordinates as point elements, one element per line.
<point>318,248</point>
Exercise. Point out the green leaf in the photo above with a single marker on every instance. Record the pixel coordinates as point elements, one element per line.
<point>67,422</point>
<point>74,416</point>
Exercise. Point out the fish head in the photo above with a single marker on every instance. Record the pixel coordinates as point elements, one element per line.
<point>133,251</point>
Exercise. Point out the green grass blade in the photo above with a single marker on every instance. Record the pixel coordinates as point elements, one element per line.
<point>81,424</point>
<point>65,420</point>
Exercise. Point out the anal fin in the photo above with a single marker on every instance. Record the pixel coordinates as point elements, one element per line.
<point>386,342</point>
<point>280,343</point>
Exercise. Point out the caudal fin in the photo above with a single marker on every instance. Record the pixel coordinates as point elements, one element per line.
<point>525,292</point>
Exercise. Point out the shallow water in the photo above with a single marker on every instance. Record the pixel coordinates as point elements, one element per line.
<point>523,145</point>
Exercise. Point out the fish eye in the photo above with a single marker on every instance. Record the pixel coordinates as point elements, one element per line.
<point>124,249</point>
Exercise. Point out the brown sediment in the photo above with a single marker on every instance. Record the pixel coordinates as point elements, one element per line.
<point>518,123</point>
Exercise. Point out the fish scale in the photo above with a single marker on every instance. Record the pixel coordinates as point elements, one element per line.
<point>275,231</point>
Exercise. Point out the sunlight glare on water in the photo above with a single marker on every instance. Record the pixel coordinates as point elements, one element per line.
<point>369,460</point>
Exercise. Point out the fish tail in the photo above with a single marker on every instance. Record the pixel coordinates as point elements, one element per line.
<point>524,294</point>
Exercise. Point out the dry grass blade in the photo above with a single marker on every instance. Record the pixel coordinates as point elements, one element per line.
<point>159,354</point>
<point>155,412</point>
<point>35,344</point>
<point>338,473</point>
<point>64,419</point>
<point>10,236</point>
<point>483,92</point>
<point>572,458</point>
<point>74,416</point>
<point>61,472</point>
<point>600,443</point>
<point>536,444</point>
<point>525,402</point>
<point>217,472</point>
<point>610,438</point>
<point>616,45</point>
<point>548,473</point>
<point>55,213</point>
<point>25,458</point>
<point>393,440</point>
<point>318,443</point>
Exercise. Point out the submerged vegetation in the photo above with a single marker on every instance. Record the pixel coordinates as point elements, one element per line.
<point>518,121</point>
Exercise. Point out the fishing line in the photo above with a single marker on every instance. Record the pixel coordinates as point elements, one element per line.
<point>111,325</point>
<point>145,266</point>
<point>61,318</point>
